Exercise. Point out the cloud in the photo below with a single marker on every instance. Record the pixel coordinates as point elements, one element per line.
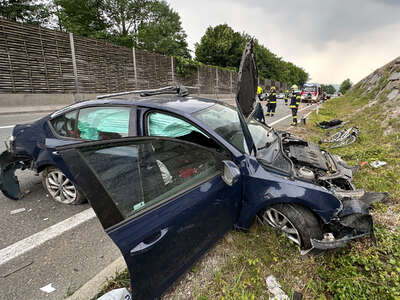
<point>330,39</point>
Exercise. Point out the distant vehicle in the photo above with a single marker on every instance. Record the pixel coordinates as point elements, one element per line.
<point>311,92</point>
<point>280,96</point>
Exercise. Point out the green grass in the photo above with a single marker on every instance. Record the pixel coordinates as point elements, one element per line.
<point>361,270</point>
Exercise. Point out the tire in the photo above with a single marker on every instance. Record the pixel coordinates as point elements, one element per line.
<point>299,223</point>
<point>52,178</point>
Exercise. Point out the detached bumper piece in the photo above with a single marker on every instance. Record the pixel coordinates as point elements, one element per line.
<point>353,222</point>
<point>9,184</point>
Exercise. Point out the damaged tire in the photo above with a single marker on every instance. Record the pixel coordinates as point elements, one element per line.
<point>60,188</point>
<point>296,222</point>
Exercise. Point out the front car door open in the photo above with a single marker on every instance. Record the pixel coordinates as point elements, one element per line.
<point>161,200</point>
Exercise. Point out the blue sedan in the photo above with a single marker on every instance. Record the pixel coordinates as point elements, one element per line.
<point>169,175</point>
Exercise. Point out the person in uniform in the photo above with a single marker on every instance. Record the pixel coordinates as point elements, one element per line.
<point>286,96</point>
<point>294,103</point>
<point>271,105</point>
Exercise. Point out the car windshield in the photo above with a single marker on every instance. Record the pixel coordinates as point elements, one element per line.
<point>224,120</point>
<point>268,146</point>
<point>309,89</point>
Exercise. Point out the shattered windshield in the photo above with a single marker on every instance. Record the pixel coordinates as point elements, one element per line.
<point>225,121</point>
<point>268,146</point>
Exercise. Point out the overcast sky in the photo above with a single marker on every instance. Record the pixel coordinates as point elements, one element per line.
<point>331,39</point>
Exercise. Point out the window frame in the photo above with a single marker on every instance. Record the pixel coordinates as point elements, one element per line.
<point>146,133</point>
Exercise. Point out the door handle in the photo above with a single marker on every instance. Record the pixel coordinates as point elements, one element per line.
<point>142,246</point>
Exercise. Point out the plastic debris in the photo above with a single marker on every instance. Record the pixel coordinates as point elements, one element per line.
<point>363,164</point>
<point>117,294</point>
<point>16,211</point>
<point>48,288</point>
<point>275,288</point>
<point>378,163</point>
<point>45,219</point>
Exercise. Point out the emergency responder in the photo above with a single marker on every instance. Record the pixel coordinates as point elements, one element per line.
<point>271,105</point>
<point>259,92</point>
<point>294,102</point>
<point>286,96</point>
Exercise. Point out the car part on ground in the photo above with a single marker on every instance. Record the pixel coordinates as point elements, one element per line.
<point>334,123</point>
<point>60,188</point>
<point>342,138</point>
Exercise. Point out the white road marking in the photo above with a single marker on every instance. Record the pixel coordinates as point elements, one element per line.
<point>39,238</point>
<point>8,126</point>
<point>285,117</point>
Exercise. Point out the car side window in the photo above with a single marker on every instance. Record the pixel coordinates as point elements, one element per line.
<point>100,123</point>
<point>64,125</point>
<point>160,124</point>
<point>149,172</point>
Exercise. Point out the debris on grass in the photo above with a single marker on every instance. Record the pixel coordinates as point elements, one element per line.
<point>378,164</point>
<point>275,288</point>
<point>117,294</point>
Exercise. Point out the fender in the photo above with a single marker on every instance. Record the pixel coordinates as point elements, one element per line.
<point>263,189</point>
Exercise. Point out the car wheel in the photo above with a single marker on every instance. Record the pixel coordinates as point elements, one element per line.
<point>296,222</point>
<point>60,188</point>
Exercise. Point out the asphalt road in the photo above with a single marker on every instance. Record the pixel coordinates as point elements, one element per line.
<point>54,243</point>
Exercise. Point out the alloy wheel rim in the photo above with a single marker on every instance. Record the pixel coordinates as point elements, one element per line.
<point>60,187</point>
<point>279,221</point>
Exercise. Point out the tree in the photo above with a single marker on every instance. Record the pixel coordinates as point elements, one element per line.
<point>329,89</point>
<point>26,11</point>
<point>84,18</point>
<point>220,46</point>
<point>162,32</point>
<point>345,86</point>
<point>145,24</point>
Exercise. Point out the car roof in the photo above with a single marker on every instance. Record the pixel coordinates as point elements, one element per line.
<point>187,104</point>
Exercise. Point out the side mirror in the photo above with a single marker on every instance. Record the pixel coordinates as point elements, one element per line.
<point>231,172</point>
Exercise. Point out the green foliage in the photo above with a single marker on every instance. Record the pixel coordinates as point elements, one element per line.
<point>222,46</point>
<point>26,11</point>
<point>146,24</point>
<point>369,274</point>
<point>186,67</point>
<point>345,86</point>
<point>329,89</point>
<point>163,32</point>
<point>84,18</point>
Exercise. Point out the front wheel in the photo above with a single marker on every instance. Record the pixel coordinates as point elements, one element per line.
<point>60,188</point>
<point>296,222</point>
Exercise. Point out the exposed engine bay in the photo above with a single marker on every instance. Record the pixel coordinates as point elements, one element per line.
<point>316,165</point>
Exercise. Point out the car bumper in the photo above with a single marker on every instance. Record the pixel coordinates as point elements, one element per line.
<point>9,163</point>
<point>352,222</point>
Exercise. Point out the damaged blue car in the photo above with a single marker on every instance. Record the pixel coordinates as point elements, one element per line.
<point>173,173</point>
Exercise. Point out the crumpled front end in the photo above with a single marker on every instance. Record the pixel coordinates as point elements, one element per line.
<point>352,221</point>
<point>9,183</point>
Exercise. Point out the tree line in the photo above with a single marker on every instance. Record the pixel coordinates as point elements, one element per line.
<point>150,25</point>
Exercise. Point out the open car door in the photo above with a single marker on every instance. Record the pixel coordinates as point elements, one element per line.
<point>246,94</point>
<point>161,200</point>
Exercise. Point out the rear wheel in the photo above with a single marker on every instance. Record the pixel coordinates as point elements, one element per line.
<point>296,222</point>
<point>60,188</point>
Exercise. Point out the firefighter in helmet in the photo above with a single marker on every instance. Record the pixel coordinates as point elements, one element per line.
<point>294,102</point>
<point>286,96</point>
<point>271,105</point>
<point>259,92</point>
